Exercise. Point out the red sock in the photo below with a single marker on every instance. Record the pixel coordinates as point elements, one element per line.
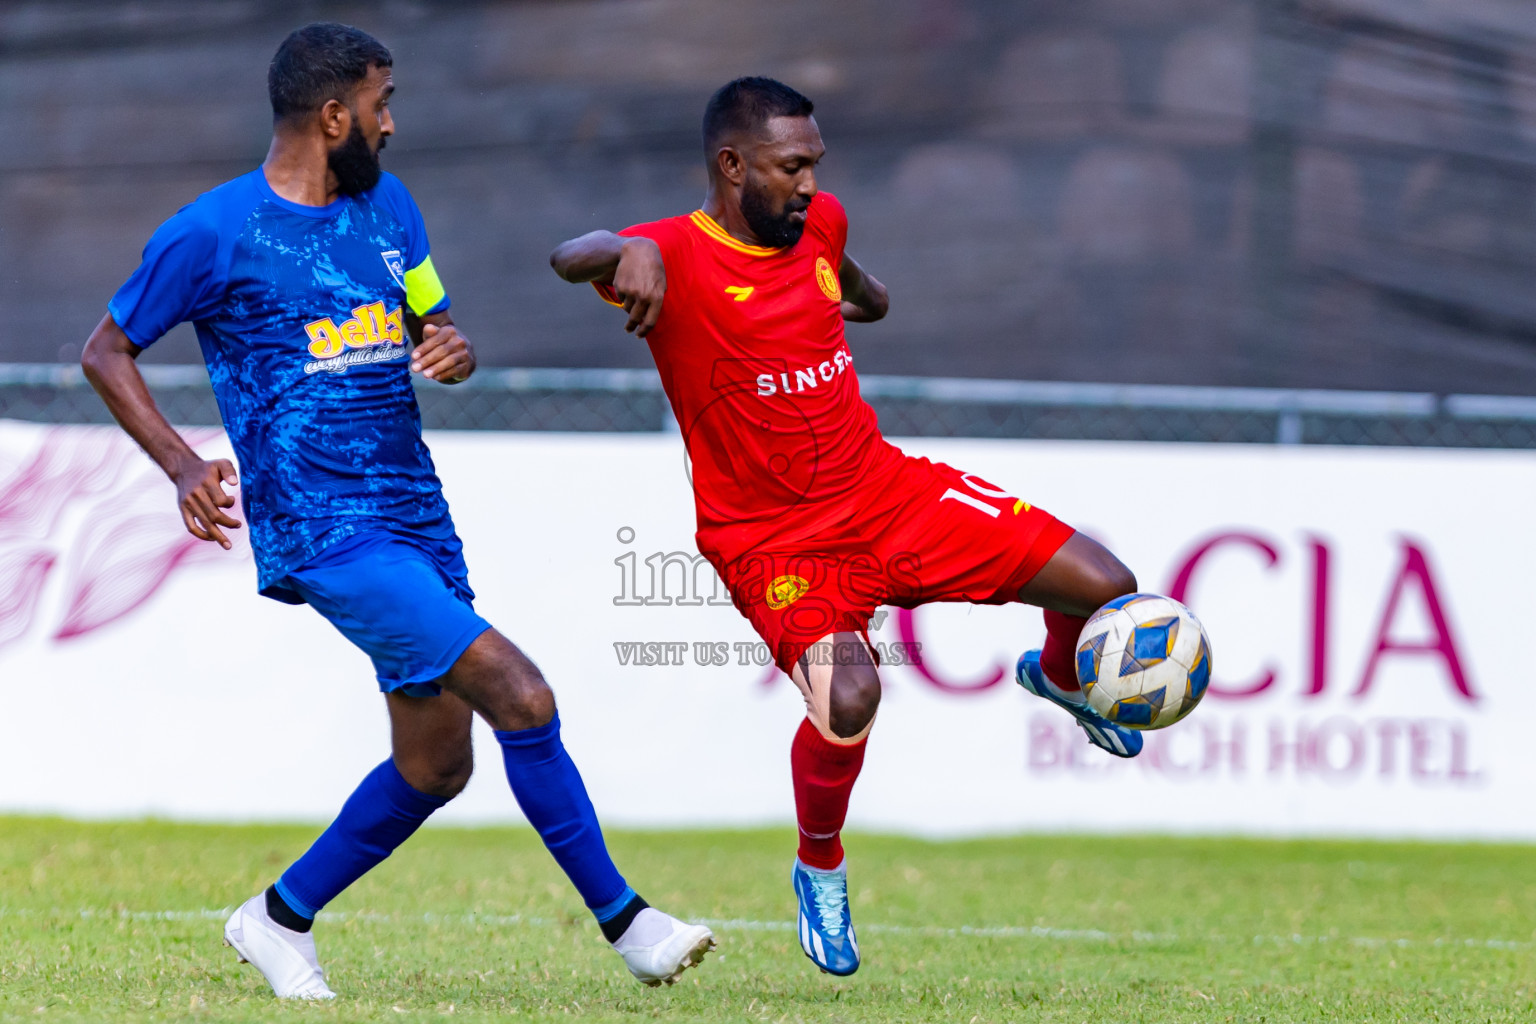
<point>1059,656</point>
<point>824,773</point>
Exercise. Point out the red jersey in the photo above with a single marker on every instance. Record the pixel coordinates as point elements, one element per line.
<point>751,353</point>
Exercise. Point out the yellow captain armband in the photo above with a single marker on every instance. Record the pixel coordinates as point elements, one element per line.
<point>423,290</point>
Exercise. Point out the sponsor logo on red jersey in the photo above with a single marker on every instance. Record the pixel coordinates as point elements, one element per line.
<point>808,377</point>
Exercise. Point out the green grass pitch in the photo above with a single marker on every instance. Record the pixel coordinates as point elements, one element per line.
<point>121,922</point>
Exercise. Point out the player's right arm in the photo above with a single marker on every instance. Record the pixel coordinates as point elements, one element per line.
<point>181,277</point>
<point>109,364</point>
<point>632,266</point>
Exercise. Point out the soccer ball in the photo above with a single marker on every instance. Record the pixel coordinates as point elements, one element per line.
<point>1143,661</point>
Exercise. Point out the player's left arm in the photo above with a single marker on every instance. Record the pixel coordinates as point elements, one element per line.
<point>441,351</point>
<point>865,299</point>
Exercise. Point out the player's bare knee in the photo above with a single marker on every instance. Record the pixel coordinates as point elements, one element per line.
<point>528,687</point>
<point>446,777</point>
<point>1105,579</point>
<point>451,782</point>
<point>855,699</point>
<point>442,772</point>
<point>1119,581</point>
<point>519,698</point>
<point>502,684</point>
<point>533,697</point>
<point>840,684</point>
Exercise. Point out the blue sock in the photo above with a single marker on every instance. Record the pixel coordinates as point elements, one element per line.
<point>379,815</point>
<point>550,791</point>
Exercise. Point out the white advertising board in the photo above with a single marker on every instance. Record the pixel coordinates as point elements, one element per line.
<point>1363,604</point>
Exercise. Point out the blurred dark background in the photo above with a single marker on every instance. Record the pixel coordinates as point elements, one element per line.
<point>1312,193</point>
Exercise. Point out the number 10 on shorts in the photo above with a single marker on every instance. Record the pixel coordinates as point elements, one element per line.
<point>984,488</point>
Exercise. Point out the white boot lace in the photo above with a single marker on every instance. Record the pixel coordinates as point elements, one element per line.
<point>830,895</point>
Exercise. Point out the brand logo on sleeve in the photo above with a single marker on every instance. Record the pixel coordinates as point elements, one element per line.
<point>371,336</point>
<point>394,262</point>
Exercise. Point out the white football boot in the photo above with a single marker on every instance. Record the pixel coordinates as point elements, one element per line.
<point>286,958</point>
<point>658,948</point>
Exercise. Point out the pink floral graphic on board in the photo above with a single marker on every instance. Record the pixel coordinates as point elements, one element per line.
<point>84,510</point>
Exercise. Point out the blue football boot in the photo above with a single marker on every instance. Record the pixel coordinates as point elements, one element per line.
<point>826,927</point>
<point>1116,739</point>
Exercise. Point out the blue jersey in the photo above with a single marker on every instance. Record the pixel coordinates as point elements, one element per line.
<point>299,312</point>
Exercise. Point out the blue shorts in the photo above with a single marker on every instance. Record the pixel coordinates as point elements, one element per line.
<point>404,601</point>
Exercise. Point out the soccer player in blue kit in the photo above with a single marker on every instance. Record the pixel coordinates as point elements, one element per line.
<point>308,280</point>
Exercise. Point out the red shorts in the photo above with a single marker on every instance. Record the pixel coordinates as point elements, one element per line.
<point>929,533</point>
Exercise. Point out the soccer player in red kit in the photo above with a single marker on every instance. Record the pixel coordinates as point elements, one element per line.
<point>810,517</point>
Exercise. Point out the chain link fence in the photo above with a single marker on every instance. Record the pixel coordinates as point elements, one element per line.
<point>632,400</point>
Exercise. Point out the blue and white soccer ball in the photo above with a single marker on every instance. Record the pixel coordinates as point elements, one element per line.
<point>1143,661</point>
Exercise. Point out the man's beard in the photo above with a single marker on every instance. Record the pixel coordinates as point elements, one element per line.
<point>774,230</point>
<point>355,165</point>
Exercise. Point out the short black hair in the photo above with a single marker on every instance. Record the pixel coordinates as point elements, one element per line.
<point>747,104</point>
<point>321,62</point>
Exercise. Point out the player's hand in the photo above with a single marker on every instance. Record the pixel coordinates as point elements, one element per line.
<point>200,494</point>
<point>444,354</point>
<point>640,281</point>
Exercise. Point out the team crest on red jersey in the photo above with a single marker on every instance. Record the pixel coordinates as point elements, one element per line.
<point>786,590</point>
<point>827,278</point>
